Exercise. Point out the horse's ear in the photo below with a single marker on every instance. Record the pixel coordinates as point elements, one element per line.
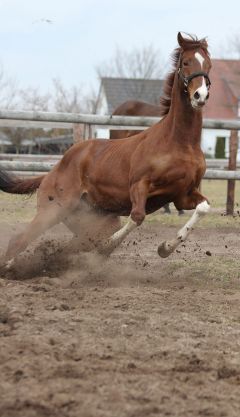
<point>180,39</point>
<point>204,43</point>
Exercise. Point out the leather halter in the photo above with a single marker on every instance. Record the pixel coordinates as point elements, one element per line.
<point>186,80</point>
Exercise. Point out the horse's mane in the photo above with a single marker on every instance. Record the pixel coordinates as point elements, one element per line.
<point>186,44</point>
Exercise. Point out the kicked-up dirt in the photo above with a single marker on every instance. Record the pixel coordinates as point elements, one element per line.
<point>133,335</point>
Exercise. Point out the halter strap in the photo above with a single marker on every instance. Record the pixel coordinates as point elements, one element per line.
<point>186,80</point>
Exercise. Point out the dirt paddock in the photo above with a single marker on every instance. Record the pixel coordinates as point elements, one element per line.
<point>134,335</point>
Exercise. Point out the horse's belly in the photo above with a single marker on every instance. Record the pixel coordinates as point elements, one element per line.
<point>156,202</point>
<point>109,199</point>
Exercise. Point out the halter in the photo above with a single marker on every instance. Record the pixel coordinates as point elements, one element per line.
<point>186,80</point>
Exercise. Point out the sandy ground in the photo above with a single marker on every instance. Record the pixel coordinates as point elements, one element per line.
<point>134,335</point>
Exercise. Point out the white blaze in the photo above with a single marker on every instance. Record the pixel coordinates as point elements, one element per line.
<point>203,90</point>
<point>200,58</point>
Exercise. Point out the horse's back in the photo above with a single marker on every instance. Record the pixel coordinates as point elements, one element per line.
<point>96,159</point>
<point>133,108</point>
<point>137,108</point>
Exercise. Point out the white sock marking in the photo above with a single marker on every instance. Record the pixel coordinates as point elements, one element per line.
<point>200,210</point>
<point>169,246</point>
<point>124,231</point>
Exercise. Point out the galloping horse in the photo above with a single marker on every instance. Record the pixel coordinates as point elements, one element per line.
<point>131,177</point>
<point>136,108</point>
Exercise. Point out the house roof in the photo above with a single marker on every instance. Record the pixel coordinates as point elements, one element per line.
<point>119,90</point>
<point>225,89</point>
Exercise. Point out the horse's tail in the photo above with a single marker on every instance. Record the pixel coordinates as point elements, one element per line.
<point>14,185</point>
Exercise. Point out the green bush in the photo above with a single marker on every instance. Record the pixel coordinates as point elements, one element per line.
<point>220,147</point>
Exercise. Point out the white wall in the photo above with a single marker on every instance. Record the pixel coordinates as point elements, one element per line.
<point>209,141</point>
<point>102,109</point>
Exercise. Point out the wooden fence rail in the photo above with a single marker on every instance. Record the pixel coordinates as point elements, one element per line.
<point>27,166</point>
<point>211,162</point>
<point>23,166</point>
<point>30,157</point>
<point>104,120</point>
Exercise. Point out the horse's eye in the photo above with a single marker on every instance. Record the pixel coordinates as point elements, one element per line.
<point>185,63</point>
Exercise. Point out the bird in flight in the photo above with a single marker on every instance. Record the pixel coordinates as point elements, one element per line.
<point>50,22</point>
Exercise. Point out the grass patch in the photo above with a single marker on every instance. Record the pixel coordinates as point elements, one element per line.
<point>213,219</point>
<point>214,269</point>
<point>216,192</point>
<point>17,208</point>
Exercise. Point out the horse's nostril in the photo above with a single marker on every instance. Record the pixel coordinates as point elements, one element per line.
<point>196,95</point>
<point>207,96</point>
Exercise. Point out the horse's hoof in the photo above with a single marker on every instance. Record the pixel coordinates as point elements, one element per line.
<point>9,264</point>
<point>164,251</point>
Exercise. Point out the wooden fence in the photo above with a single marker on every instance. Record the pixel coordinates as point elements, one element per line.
<point>71,120</point>
<point>99,120</point>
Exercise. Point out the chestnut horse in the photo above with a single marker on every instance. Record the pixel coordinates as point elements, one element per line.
<point>131,177</point>
<point>133,108</point>
<point>136,108</point>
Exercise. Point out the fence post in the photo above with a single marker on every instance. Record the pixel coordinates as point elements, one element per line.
<point>77,133</point>
<point>87,131</point>
<point>232,165</point>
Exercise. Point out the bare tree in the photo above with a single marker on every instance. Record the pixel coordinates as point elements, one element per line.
<point>17,135</point>
<point>66,100</point>
<point>69,101</point>
<point>230,48</point>
<point>8,90</point>
<point>28,99</point>
<point>60,98</point>
<point>90,101</point>
<point>235,45</point>
<point>143,63</point>
<point>32,99</point>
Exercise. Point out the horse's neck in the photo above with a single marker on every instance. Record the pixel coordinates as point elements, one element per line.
<point>185,122</point>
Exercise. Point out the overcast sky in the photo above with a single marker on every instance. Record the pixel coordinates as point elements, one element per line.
<point>40,40</point>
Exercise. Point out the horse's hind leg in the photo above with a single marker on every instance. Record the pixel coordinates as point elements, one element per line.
<point>90,229</point>
<point>44,219</point>
<point>81,241</point>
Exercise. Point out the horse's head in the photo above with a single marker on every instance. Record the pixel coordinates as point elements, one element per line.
<point>193,70</point>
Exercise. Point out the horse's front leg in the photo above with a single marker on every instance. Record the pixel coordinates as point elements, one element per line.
<point>138,195</point>
<point>192,201</point>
